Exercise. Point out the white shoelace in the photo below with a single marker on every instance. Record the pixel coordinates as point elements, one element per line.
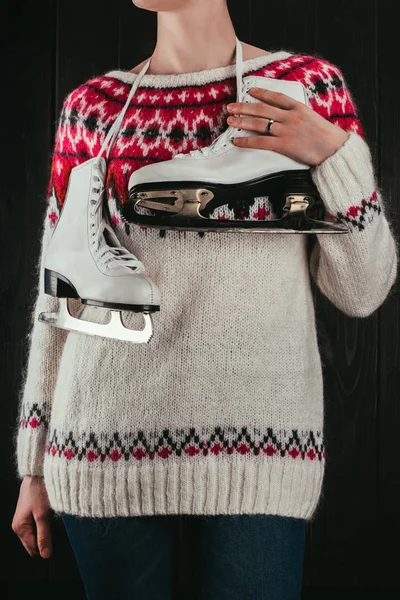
<point>116,256</point>
<point>213,147</point>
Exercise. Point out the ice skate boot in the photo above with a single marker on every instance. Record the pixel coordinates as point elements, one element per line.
<point>85,260</point>
<point>185,191</point>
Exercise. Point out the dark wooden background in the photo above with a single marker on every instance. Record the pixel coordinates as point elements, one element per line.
<point>50,47</point>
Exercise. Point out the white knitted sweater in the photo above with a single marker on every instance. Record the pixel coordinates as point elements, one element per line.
<point>222,412</point>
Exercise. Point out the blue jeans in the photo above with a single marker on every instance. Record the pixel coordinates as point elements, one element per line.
<point>237,557</point>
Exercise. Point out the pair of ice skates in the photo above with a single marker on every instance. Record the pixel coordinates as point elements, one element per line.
<point>85,259</point>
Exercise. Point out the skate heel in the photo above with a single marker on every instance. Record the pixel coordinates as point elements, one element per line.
<point>57,285</point>
<point>297,199</point>
<point>298,182</point>
<point>302,200</point>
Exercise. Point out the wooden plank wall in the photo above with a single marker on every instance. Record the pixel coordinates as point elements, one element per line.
<point>51,47</point>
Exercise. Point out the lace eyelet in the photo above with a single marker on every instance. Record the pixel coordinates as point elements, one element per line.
<point>238,129</point>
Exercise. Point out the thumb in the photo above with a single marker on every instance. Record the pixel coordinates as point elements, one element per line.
<point>43,535</point>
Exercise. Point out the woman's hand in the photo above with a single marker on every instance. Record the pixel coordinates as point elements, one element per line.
<point>31,520</point>
<point>298,131</point>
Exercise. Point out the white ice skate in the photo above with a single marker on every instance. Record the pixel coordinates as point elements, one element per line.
<point>182,193</point>
<point>85,259</point>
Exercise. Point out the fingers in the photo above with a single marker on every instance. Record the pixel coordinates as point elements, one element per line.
<point>265,142</point>
<point>34,534</point>
<point>260,110</point>
<point>31,520</point>
<point>25,529</point>
<point>255,124</point>
<point>43,534</point>
<point>278,99</point>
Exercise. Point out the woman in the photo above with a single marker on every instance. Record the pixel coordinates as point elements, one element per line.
<point>220,417</point>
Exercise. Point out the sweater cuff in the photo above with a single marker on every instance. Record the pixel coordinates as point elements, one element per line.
<point>30,452</point>
<point>30,438</point>
<point>346,180</point>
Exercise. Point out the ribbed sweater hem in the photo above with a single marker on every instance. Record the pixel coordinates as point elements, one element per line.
<point>263,485</point>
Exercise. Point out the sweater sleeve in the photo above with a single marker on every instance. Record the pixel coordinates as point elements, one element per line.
<point>354,270</point>
<point>45,343</point>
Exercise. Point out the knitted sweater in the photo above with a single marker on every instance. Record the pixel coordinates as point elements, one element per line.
<point>222,412</point>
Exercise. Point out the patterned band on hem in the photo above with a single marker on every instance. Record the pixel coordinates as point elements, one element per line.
<point>190,442</point>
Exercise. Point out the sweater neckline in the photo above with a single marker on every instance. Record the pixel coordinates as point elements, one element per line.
<point>199,77</point>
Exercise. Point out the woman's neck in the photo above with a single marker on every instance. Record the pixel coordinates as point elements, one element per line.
<point>196,36</point>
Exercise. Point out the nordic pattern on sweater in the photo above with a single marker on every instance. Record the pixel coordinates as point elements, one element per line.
<point>150,137</point>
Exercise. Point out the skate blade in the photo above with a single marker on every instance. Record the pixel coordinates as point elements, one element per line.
<point>238,229</point>
<point>114,329</point>
<point>181,211</point>
<point>284,225</point>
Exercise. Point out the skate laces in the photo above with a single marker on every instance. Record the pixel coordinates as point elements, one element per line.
<point>116,256</point>
<point>221,140</point>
